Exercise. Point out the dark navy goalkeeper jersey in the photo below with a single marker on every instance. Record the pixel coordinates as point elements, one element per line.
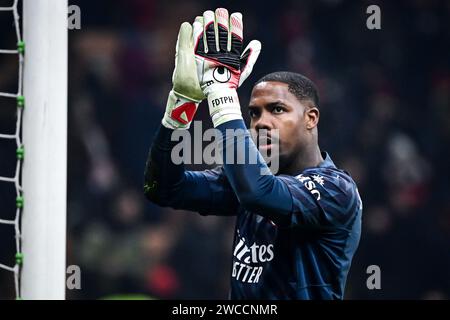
<point>309,258</point>
<point>295,236</point>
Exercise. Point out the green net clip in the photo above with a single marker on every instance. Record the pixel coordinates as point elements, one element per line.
<point>19,202</point>
<point>21,47</point>
<point>20,152</point>
<point>21,101</point>
<point>148,188</point>
<point>19,258</point>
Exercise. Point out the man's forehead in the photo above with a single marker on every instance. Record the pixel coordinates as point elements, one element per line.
<point>271,91</point>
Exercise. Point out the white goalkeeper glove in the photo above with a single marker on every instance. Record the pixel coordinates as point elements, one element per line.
<point>186,93</point>
<point>221,65</point>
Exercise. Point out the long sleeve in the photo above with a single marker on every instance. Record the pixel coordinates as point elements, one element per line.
<point>170,185</point>
<point>261,193</point>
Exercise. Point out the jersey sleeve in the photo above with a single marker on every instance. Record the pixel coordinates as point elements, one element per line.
<point>170,185</point>
<point>210,193</point>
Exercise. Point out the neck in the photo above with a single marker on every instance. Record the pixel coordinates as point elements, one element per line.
<point>309,157</point>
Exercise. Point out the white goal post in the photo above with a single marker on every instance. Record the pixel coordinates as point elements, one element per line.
<point>44,177</point>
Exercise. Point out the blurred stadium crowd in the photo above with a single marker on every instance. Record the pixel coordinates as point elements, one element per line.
<point>385,118</point>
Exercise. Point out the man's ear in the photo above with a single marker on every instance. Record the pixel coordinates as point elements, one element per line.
<point>312,116</point>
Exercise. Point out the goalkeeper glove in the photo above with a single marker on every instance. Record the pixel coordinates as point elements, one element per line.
<point>221,65</point>
<point>186,93</point>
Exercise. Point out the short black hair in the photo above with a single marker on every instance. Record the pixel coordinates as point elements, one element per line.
<point>299,85</point>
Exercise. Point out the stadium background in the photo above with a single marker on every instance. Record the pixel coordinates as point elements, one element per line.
<point>385,117</point>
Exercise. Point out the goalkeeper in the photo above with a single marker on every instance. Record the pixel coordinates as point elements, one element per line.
<point>296,231</point>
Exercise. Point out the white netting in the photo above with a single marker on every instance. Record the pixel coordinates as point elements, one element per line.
<point>16,179</point>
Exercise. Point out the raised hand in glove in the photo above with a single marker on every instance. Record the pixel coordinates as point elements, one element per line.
<point>222,65</point>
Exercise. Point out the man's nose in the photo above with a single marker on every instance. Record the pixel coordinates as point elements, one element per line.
<point>264,122</point>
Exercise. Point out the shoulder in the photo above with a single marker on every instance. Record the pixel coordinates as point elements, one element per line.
<point>325,188</point>
<point>322,179</point>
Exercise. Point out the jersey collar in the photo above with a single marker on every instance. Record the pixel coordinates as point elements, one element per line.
<point>327,162</point>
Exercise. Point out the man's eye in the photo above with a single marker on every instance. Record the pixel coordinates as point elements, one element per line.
<point>278,110</point>
<point>252,114</point>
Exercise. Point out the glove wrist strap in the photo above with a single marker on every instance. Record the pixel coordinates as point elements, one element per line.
<point>224,106</point>
<point>179,112</point>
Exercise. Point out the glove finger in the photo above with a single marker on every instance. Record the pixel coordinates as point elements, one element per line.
<point>198,39</point>
<point>222,28</point>
<point>184,36</point>
<point>248,59</point>
<point>209,32</point>
<point>177,50</point>
<point>237,33</point>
